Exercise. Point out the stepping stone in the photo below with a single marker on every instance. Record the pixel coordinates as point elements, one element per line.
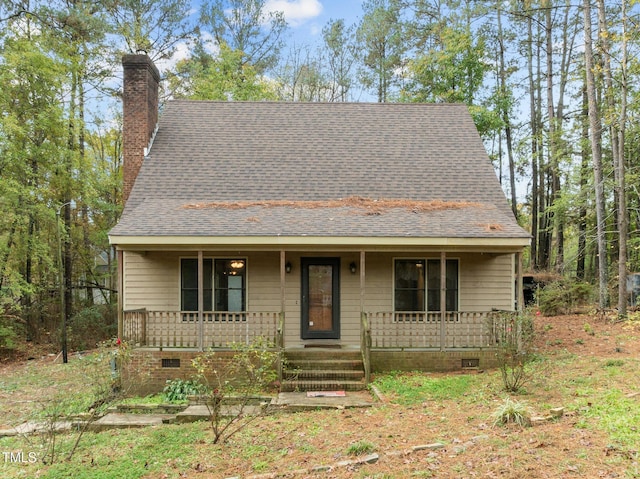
<point>200,412</point>
<point>127,420</point>
<point>35,427</point>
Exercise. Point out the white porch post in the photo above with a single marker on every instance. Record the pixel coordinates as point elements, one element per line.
<point>200,300</point>
<point>280,329</point>
<point>443,299</point>
<point>362,278</point>
<point>283,273</point>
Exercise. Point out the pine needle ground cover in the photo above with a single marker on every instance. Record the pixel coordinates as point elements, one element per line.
<point>590,372</point>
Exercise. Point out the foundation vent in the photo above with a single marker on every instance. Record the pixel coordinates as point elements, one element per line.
<point>473,363</point>
<point>170,362</point>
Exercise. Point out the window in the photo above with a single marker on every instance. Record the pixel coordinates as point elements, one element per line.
<point>223,280</point>
<point>409,285</point>
<point>433,282</point>
<point>417,279</point>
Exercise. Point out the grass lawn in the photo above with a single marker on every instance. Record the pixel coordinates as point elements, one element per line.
<point>590,371</point>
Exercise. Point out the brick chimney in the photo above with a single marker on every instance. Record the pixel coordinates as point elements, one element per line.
<point>140,114</point>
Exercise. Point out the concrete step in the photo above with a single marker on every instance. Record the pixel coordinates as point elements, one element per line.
<point>311,385</point>
<point>325,364</point>
<point>323,369</point>
<point>324,374</point>
<point>129,420</point>
<point>322,354</point>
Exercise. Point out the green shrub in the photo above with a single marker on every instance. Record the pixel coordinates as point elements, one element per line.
<point>8,336</point>
<point>178,390</point>
<point>562,296</point>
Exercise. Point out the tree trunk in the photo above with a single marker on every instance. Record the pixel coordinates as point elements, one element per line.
<point>505,118</point>
<point>596,158</point>
<point>534,148</point>
<point>623,223</point>
<point>582,213</point>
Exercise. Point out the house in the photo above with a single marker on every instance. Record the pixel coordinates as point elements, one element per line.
<point>376,230</point>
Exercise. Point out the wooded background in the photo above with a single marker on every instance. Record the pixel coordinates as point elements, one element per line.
<point>552,86</point>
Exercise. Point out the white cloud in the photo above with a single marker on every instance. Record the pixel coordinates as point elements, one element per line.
<point>296,12</point>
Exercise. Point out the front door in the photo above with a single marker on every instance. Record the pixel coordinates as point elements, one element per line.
<point>320,298</point>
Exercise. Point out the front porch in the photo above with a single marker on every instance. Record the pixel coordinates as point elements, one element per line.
<point>421,309</point>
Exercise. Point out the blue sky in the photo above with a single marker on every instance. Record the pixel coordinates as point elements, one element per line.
<point>307,17</point>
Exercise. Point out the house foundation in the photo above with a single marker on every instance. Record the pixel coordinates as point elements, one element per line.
<point>149,370</point>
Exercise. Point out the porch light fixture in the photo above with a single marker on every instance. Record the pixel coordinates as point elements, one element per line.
<point>237,264</point>
<point>287,267</point>
<point>352,267</point>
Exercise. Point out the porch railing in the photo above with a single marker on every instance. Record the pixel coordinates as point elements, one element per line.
<point>182,329</point>
<point>425,330</point>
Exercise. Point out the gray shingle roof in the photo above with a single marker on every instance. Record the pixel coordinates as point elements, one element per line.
<point>229,152</point>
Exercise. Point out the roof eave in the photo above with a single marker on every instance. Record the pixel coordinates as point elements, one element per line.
<point>279,242</point>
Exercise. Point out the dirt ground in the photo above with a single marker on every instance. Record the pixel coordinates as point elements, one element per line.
<point>574,446</point>
<point>586,334</point>
<point>474,447</point>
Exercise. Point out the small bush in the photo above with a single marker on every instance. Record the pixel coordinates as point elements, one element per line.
<point>361,447</point>
<point>563,296</point>
<point>178,390</point>
<point>8,336</point>
<point>512,412</point>
<point>12,330</point>
<point>251,371</point>
<point>514,335</point>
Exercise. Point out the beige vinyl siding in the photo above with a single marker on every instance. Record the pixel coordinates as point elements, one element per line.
<point>378,282</point>
<point>151,281</point>
<point>487,282</point>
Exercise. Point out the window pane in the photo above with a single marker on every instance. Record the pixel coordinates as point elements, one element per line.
<point>189,284</point>
<point>452,300</point>
<point>409,300</point>
<point>189,300</point>
<point>230,284</point>
<point>189,273</point>
<point>433,285</point>
<point>452,274</point>
<point>433,300</point>
<point>409,285</point>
